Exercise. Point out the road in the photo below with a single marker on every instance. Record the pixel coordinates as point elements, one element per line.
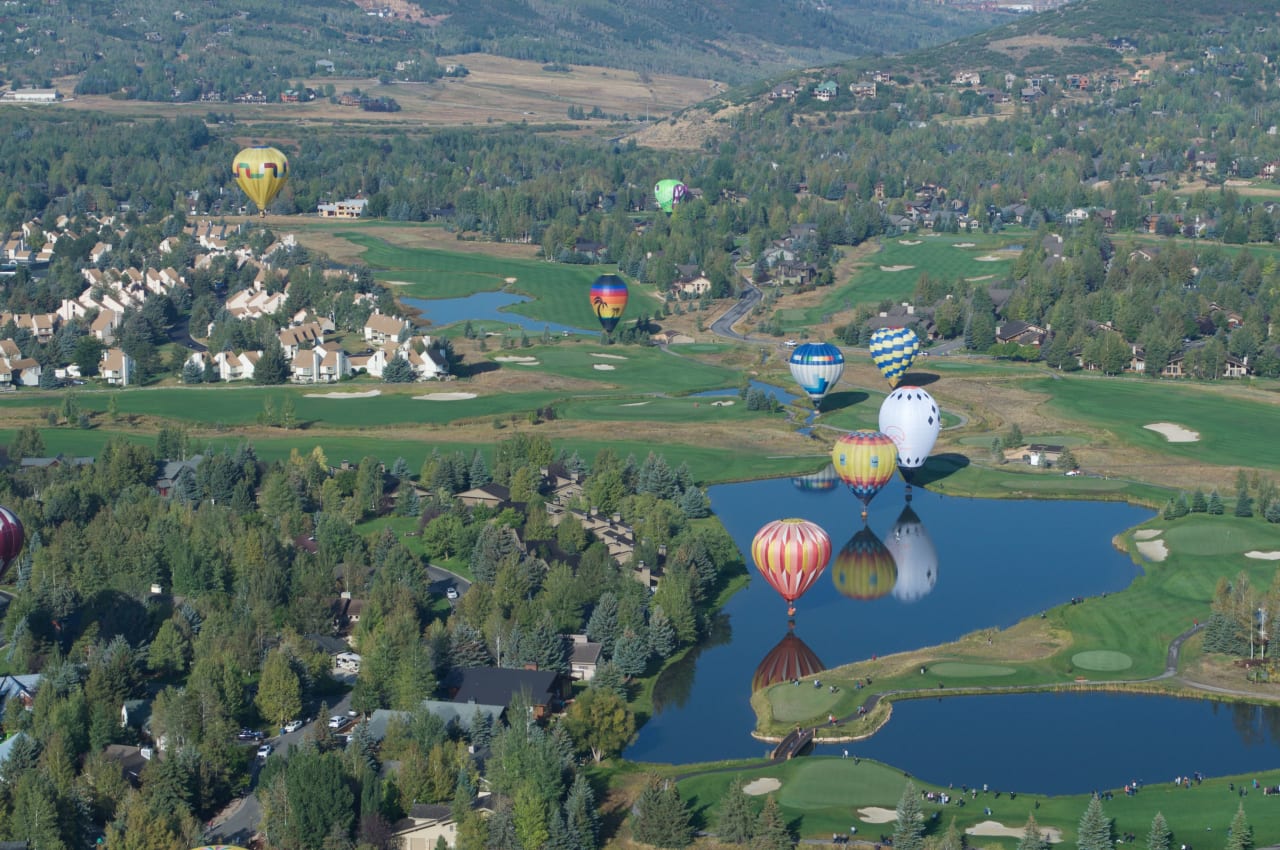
<point>723,326</point>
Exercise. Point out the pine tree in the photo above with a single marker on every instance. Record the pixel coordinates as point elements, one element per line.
<point>479,474</point>
<point>602,627</point>
<point>952,839</point>
<point>272,367</point>
<point>736,823</point>
<point>1159,836</point>
<point>1241,835</point>
<point>609,677</point>
<point>1199,504</point>
<point>1032,837</point>
<point>662,635</point>
<point>467,647</point>
<point>580,814</point>
<point>661,818</point>
<point>771,831</point>
<point>1095,828</point>
<point>694,503</point>
<point>908,830</point>
<point>481,731</point>
<point>632,655</point>
<point>1215,507</point>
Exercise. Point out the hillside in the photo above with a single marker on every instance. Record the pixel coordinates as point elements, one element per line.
<point>221,50</point>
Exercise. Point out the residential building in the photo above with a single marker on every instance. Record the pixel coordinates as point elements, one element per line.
<point>118,368</point>
<point>349,208</point>
<point>381,328</point>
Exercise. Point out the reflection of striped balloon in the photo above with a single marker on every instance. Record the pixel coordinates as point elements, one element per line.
<point>865,461</point>
<point>791,659</point>
<point>865,568</point>
<point>818,481</point>
<point>609,299</point>
<point>892,350</point>
<point>791,554</point>
<point>817,367</point>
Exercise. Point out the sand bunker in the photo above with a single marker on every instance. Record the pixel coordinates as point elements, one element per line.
<point>987,258</point>
<point>510,358</point>
<point>1263,556</point>
<point>1147,533</point>
<point>511,280</point>
<point>721,403</point>
<point>875,814</point>
<point>1153,550</point>
<point>368,394</point>
<point>604,367</point>
<point>996,829</point>
<point>1173,433</point>
<point>979,277</point>
<point>895,268</point>
<point>965,245</point>
<point>445,397</point>
<point>908,241</point>
<point>634,404</point>
<point>610,356</point>
<point>761,786</point>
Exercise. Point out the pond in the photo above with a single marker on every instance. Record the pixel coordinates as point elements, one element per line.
<point>485,306</point>
<point>972,563</point>
<point>782,396</point>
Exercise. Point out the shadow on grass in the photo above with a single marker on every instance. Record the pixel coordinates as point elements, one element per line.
<point>480,367</point>
<point>840,400</point>
<point>918,379</point>
<point>938,468</point>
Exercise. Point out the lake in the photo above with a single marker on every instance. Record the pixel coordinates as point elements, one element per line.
<point>485,306</point>
<point>969,564</point>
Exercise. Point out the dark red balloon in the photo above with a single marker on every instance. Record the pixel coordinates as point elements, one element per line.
<point>11,538</point>
<point>790,659</point>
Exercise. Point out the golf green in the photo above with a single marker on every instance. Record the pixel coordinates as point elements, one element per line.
<point>801,702</point>
<point>1102,660</point>
<point>969,670</point>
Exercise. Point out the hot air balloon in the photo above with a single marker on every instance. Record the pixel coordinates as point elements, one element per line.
<point>791,554</point>
<point>817,367</point>
<point>668,193</point>
<point>818,481</point>
<point>910,417</point>
<point>609,299</point>
<point>864,568</point>
<point>892,350</point>
<point>11,538</point>
<point>260,171</point>
<point>791,659</point>
<point>915,555</point>
<point>865,461</point>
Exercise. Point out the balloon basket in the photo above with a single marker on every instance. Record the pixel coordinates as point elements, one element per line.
<point>791,612</point>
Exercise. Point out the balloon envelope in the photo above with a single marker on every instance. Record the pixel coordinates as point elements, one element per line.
<point>791,659</point>
<point>791,554</point>
<point>261,171</point>
<point>817,367</point>
<point>668,193</point>
<point>865,568</point>
<point>893,350</point>
<point>916,556</point>
<point>910,417</point>
<point>11,538</point>
<point>609,299</point>
<point>865,461</point>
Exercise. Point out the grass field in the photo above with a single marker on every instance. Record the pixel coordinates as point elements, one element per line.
<point>635,369</point>
<point>820,796</point>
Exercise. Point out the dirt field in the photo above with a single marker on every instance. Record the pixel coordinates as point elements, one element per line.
<point>497,90</point>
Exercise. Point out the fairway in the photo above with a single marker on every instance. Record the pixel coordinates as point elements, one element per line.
<point>635,369</point>
<point>967,669</point>
<point>1102,660</point>
<point>801,702</point>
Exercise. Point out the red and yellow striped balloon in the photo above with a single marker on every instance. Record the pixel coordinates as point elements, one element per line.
<point>791,554</point>
<point>865,460</point>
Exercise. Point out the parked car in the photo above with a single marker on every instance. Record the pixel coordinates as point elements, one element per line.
<point>265,750</point>
<point>292,726</point>
<point>337,721</point>
<point>451,593</point>
<point>249,735</point>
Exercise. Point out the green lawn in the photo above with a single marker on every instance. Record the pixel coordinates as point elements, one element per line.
<point>820,796</point>
<point>682,410</point>
<point>1225,424</point>
<point>631,368</point>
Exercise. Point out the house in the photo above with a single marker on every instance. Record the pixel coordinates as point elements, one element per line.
<point>350,208</point>
<point>584,656</point>
<point>488,495</point>
<point>1079,215</point>
<point>293,339</point>
<point>380,328</point>
<point>22,688</point>
<point>132,761</point>
<point>670,338</point>
<point>118,368</point>
<point>1041,454</point>
<point>826,91</point>
<point>785,91</point>
<point>235,367</point>
<point>795,274</point>
<point>425,826</point>
<point>966,78</point>
<point>169,470</point>
<point>135,714</point>
<point>1021,333</point>
<point>546,689</point>
<point>863,91</point>
<point>691,282</point>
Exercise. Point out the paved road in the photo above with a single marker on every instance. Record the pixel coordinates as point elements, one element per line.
<point>723,326</point>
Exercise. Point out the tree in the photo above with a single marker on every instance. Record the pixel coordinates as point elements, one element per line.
<point>1215,506</point>
<point>632,654</point>
<point>192,373</point>
<point>694,503</point>
<point>908,830</point>
<point>1241,834</point>
<point>736,823</point>
<point>660,817</point>
<point>952,839</point>
<point>662,635</point>
<point>272,367</point>
<point>580,815</point>
<point>27,443</point>
<point>1032,837</point>
<point>771,831</point>
<point>602,627</point>
<point>279,689</point>
<point>320,799</point>
<point>600,721</point>
<point>1095,827</point>
<point>1159,837</point>
<point>398,371</point>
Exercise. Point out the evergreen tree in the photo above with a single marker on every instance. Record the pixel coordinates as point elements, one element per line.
<point>481,731</point>
<point>694,503</point>
<point>1244,504</point>
<point>952,839</point>
<point>661,818</point>
<point>272,367</point>
<point>398,371</point>
<point>632,655</point>
<point>1095,828</point>
<point>662,635</point>
<point>1199,504</point>
<point>192,373</point>
<point>737,821</point>
<point>602,627</point>
<point>479,474</point>
<point>467,647</point>
<point>771,831</point>
<point>185,487</point>
<point>1159,837</point>
<point>558,835</point>
<point>1241,834</point>
<point>580,814</point>
<point>609,677</point>
<point>1215,506</point>
<point>1032,837</point>
<point>908,830</point>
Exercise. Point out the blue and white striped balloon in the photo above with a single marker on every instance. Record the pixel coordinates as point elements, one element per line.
<point>817,367</point>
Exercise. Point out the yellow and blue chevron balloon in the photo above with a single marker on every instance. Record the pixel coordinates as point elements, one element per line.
<point>893,350</point>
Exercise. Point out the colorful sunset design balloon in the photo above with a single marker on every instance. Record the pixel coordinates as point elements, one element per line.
<point>609,299</point>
